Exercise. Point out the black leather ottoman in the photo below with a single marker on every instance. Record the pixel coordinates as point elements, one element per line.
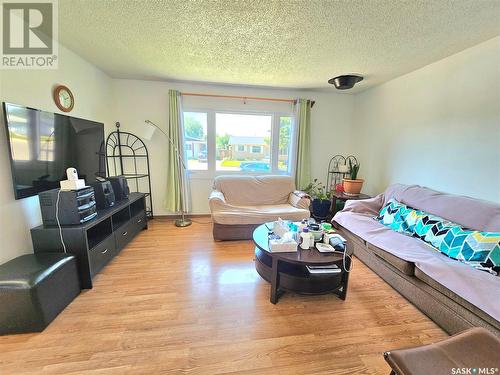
<point>34,289</point>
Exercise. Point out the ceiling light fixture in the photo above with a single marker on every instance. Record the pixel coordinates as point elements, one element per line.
<point>345,82</point>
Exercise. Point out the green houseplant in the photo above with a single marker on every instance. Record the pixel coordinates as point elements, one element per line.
<point>320,196</point>
<point>353,185</point>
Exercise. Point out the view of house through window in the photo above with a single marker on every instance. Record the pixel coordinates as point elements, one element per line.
<point>195,135</point>
<point>238,142</point>
<point>243,142</point>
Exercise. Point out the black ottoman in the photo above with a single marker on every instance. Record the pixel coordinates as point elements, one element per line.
<point>35,288</point>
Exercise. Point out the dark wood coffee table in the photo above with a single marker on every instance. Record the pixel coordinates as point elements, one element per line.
<point>288,272</point>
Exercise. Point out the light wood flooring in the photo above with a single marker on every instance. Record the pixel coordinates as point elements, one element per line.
<point>176,302</point>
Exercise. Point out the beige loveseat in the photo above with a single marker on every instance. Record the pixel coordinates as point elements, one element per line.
<point>241,203</point>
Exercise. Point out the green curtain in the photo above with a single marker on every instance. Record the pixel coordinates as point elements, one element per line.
<point>303,166</point>
<point>177,198</point>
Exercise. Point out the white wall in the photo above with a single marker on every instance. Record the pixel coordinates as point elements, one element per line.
<point>438,126</point>
<point>135,101</point>
<point>33,88</point>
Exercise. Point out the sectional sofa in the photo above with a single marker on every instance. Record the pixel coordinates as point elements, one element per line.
<point>453,294</point>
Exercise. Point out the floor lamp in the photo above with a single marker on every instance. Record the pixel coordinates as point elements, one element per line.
<point>147,133</point>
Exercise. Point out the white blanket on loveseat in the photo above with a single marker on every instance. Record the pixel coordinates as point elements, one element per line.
<point>256,200</point>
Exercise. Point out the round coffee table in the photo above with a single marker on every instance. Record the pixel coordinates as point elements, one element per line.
<point>288,272</point>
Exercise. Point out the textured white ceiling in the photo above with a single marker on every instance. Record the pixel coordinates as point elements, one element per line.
<point>293,43</point>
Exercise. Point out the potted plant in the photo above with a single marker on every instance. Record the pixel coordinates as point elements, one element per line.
<point>353,185</point>
<point>321,202</point>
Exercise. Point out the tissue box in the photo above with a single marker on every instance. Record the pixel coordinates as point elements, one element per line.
<point>275,246</point>
<point>280,228</point>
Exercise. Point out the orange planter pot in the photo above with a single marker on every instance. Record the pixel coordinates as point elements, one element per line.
<point>352,187</point>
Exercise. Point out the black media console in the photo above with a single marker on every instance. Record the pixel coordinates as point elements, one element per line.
<point>96,242</point>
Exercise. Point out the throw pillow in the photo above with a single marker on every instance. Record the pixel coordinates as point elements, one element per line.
<point>417,223</point>
<point>478,249</point>
<point>431,228</point>
<point>391,215</point>
<point>481,250</point>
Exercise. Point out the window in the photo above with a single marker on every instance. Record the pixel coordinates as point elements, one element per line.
<point>220,141</point>
<point>284,143</point>
<point>237,129</point>
<point>195,136</point>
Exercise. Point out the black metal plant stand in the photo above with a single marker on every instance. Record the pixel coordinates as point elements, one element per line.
<point>335,175</point>
<point>128,156</point>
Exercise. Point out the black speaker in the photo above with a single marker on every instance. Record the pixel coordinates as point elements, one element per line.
<point>69,207</point>
<point>104,194</point>
<point>120,187</point>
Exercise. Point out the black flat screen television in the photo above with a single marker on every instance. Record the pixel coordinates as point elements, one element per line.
<point>42,145</point>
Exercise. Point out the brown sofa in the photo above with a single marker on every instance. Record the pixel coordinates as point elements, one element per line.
<point>454,295</point>
<point>241,203</point>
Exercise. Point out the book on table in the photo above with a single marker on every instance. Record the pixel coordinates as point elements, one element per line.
<point>326,269</point>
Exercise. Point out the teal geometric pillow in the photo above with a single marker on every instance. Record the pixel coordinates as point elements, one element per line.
<point>411,218</point>
<point>431,228</point>
<point>478,249</point>
<point>392,216</point>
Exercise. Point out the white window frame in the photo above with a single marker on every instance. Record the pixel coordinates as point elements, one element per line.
<point>211,171</point>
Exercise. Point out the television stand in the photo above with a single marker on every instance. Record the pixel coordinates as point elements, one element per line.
<point>96,242</point>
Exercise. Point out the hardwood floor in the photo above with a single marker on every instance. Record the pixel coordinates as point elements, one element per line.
<point>176,302</point>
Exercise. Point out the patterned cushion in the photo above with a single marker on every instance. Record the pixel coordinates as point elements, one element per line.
<point>411,218</point>
<point>478,249</point>
<point>431,228</point>
<point>391,215</point>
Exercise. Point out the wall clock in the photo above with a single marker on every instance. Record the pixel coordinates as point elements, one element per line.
<point>64,99</point>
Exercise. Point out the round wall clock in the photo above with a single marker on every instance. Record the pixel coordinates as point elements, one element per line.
<point>64,99</point>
